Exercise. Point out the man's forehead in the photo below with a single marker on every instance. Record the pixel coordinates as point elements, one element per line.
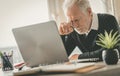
<point>73,13</point>
<point>70,18</point>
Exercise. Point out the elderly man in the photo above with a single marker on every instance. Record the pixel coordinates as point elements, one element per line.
<point>82,28</point>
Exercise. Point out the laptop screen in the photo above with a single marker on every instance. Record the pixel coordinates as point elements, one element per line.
<point>40,44</point>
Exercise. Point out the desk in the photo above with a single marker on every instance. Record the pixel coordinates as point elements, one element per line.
<point>109,70</point>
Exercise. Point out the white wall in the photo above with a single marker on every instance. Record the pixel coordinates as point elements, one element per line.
<point>117,9</point>
<point>98,6</point>
<point>16,13</point>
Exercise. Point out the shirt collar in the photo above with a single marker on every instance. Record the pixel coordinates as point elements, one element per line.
<point>94,25</point>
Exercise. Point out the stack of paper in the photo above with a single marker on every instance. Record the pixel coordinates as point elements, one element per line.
<point>55,68</point>
<point>65,67</point>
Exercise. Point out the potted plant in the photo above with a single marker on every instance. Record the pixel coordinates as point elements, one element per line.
<point>110,42</point>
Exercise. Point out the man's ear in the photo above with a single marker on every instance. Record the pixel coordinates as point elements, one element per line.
<point>89,10</point>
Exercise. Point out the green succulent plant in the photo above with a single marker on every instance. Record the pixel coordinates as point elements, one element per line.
<point>109,40</point>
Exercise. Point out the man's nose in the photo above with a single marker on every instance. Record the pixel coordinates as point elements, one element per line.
<point>74,25</point>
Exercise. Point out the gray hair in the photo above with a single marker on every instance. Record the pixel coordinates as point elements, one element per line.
<point>82,4</point>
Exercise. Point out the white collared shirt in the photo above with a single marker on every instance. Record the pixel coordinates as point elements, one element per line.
<point>94,25</point>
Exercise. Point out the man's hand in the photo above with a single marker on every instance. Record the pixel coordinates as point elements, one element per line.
<point>65,28</point>
<point>74,57</point>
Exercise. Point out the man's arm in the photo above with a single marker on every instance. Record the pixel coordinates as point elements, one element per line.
<point>93,54</point>
<point>65,30</point>
<point>68,43</point>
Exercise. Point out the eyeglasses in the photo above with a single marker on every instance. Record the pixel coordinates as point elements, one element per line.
<point>76,21</point>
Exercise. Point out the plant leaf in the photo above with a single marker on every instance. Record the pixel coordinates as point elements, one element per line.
<point>108,40</point>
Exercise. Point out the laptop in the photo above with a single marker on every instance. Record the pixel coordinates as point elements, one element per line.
<point>42,49</point>
<point>40,44</point>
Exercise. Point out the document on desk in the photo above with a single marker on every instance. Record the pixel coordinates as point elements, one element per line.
<point>66,67</point>
<point>55,68</point>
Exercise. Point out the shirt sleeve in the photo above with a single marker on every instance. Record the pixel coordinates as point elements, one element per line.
<point>93,54</point>
<point>69,43</point>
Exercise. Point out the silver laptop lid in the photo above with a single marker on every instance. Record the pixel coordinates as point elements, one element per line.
<point>40,44</point>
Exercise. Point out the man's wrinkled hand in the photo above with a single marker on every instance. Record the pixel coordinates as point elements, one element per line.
<point>65,28</point>
<point>74,57</point>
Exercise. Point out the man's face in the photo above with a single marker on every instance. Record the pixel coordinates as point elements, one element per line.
<point>79,20</point>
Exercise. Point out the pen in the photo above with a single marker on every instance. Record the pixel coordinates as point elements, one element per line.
<point>7,61</point>
<point>10,54</point>
<point>5,64</point>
